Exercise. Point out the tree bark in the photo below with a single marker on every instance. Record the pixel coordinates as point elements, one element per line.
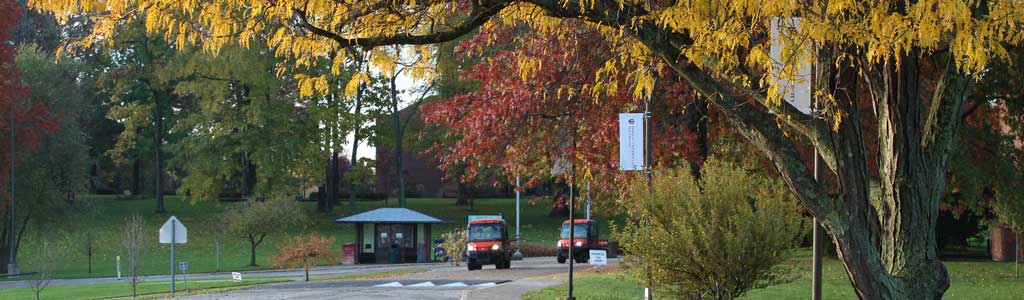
<point>396,121</point>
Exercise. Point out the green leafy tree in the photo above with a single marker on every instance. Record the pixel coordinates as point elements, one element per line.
<point>733,228</point>
<point>254,220</point>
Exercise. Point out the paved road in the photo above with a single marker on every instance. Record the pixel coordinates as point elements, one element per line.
<point>440,282</point>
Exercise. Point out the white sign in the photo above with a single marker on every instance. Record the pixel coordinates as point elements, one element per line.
<point>183,266</point>
<point>631,141</point>
<point>173,226</point>
<point>236,276</point>
<point>598,257</point>
<point>796,90</point>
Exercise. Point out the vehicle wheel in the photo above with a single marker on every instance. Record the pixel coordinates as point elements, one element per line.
<point>473,265</point>
<point>581,260</point>
<point>561,259</point>
<point>508,263</point>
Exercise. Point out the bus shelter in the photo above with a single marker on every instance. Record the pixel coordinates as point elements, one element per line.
<point>392,235</point>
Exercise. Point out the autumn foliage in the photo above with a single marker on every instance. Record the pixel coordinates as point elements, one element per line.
<point>530,124</point>
<point>305,251</point>
<point>32,119</point>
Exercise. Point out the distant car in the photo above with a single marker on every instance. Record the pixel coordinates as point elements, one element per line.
<point>488,243</point>
<point>585,239</point>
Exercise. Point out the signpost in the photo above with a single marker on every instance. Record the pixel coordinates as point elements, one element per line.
<point>118,267</point>
<point>634,151</point>
<point>797,91</point>
<point>173,232</point>
<point>518,255</point>
<point>183,267</point>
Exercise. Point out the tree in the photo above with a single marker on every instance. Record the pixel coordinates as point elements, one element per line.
<point>306,251</point>
<point>510,122</point>
<point>31,121</point>
<point>48,265</point>
<point>254,220</point>
<point>134,246</point>
<point>746,224</point>
<point>454,245</point>
<point>914,62</point>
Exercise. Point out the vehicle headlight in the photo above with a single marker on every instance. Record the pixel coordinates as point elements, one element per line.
<point>470,248</point>
<point>559,244</point>
<point>496,247</point>
<point>579,244</point>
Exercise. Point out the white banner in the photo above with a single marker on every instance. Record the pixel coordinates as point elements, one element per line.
<point>631,141</point>
<point>798,90</point>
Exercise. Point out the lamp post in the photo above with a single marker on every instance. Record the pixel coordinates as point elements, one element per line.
<point>12,263</point>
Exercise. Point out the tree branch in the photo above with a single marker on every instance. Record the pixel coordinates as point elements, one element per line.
<point>477,17</point>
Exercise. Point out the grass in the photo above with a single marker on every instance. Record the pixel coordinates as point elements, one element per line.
<point>103,217</point>
<point>970,279</point>
<point>122,289</point>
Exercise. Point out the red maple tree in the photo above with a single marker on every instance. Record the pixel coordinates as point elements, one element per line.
<point>526,126</point>
<point>32,119</point>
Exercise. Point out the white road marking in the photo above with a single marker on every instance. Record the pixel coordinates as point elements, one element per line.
<point>421,284</point>
<point>454,284</point>
<point>391,284</point>
<point>486,284</point>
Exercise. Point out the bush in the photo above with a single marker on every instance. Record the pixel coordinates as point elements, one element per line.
<point>727,230</point>
<point>455,245</point>
<point>305,251</point>
<point>537,250</point>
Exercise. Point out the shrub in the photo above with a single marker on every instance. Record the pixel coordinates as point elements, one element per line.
<point>728,230</point>
<point>305,251</point>
<point>455,245</point>
<point>537,250</point>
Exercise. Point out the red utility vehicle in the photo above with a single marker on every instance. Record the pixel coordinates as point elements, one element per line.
<point>488,243</point>
<point>585,239</point>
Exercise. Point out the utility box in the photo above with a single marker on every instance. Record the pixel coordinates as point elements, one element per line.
<point>348,254</point>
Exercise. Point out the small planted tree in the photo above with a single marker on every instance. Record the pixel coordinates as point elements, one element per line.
<point>305,251</point>
<point>47,266</point>
<point>455,245</point>
<point>722,234</point>
<point>254,220</point>
<point>134,246</point>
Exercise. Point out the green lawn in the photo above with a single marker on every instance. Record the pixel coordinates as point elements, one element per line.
<point>972,279</point>
<point>107,220</point>
<point>121,289</point>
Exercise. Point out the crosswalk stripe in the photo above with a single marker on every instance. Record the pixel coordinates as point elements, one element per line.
<point>390,284</point>
<point>428,283</point>
<point>454,284</point>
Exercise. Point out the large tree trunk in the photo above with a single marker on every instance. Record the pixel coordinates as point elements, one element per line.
<point>887,242</point>
<point>397,123</point>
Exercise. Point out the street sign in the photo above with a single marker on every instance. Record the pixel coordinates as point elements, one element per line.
<point>236,276</point>
<point>631,141</point>
<point>173,230</point>
<point>796,90</point>
<point>598,257</point>
<point>183,266</point>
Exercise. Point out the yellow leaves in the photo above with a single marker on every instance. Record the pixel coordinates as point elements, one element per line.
<point>352,87</point>
<point>309,86</point>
